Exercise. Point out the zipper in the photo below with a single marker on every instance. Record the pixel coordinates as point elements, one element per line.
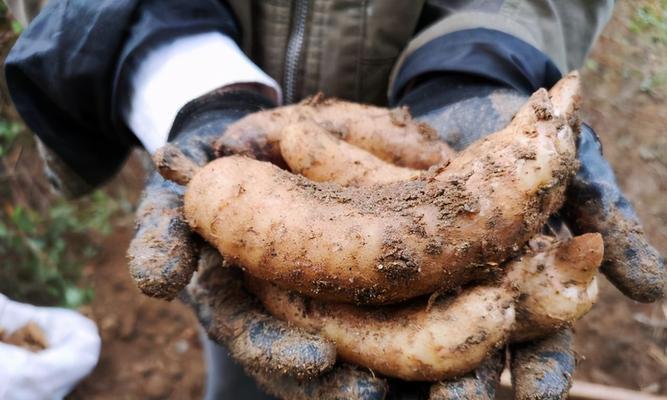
<point>294,49</point>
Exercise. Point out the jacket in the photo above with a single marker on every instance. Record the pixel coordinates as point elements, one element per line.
<point>69,67</point>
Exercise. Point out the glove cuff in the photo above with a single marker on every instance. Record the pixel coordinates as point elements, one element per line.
<point>229,102</point>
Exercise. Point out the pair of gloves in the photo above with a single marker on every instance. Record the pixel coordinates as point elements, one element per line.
<point>290,363</point>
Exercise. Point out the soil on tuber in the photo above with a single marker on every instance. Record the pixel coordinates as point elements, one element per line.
<point>396,241</point>
<point>311,151</point>
<point>410,233</point>
<point>391,135</point>
<point>551,286</point>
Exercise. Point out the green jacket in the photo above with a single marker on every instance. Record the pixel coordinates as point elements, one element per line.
<point>361,50</point>
<point>353,48</point>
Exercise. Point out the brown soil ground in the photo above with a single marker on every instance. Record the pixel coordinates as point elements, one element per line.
<point>621,342</point>
<point>151,349</point>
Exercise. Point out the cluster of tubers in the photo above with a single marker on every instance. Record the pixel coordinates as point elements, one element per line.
<point>357,223</point>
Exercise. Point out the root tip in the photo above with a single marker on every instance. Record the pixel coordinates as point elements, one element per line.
<point>173,165</point>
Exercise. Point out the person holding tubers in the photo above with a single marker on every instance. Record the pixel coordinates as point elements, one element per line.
<point>94,79</point>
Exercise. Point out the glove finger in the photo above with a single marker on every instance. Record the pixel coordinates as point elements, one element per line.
<point>477,385</point>
<point>596,204</point>
<point>343,382</point>
<point>542,369</point>
<point>163,254</point>
<point>258,341</point>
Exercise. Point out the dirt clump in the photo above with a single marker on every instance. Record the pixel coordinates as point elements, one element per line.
<point>30,337</point>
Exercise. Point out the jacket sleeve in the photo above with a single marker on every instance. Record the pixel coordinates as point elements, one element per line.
<point>67,69</point>
<point>521,44</point>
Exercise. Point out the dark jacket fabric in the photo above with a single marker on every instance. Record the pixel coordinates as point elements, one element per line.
<point>70,66</point>
<point>65,71</point>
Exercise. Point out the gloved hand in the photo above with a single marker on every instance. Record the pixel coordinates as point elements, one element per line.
<point>463,109</point>
<point>541,369</point>
<point>164,254</point>
<point>469,109</point>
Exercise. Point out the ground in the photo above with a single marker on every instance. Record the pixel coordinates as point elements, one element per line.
<point>151,349</point>
<point>621,342</point>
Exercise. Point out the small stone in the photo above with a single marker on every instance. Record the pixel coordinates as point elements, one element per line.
<point>109,323</point>
<point>181,346</point>
<point>157,387</point>
<point>646,154</point>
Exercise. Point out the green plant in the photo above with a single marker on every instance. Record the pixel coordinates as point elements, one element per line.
<point>44,245</point>
<point>651,18</point>
<point>9,131</point>
<point>45,241</point>
<point>17,28</point>
<point>592,64</point>
<point>43,255</point>
<point>653,82</point>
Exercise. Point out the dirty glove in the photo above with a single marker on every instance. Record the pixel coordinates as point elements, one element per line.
<point>464,109</point>
<point>472,108</point>
<point>164,255</point>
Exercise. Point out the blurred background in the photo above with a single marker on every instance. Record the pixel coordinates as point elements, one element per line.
<point>72,254</point>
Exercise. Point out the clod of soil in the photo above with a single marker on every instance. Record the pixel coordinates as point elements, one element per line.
<point>30,337</point>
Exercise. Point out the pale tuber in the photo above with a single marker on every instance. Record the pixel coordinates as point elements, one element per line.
<point>311,151</point>
<point>391,135</point>
<point>548,288</point>
<point>398,240</point>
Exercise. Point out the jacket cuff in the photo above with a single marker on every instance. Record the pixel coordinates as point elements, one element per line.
<point>483,53</point>
<point>64,71</point>
<point>175,73</point>
<point>159,26</point>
